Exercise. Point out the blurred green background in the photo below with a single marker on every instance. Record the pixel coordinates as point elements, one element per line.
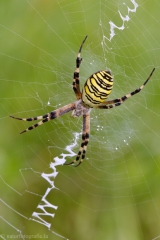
<point>115,193</point>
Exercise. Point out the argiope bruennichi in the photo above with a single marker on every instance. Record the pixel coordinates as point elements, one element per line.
<point>94,94</point>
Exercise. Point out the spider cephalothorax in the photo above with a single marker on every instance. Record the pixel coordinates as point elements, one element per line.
<point>94,95</point>
<point>80,109</point>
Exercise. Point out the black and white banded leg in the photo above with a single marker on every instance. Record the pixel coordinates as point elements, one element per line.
<point>47,117</point>
<point>118,101</point>
<point>85,139</point>
<point>76,81</point>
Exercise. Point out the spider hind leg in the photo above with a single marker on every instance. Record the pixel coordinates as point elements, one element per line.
<point>118,101</point>
<point>76,81</point>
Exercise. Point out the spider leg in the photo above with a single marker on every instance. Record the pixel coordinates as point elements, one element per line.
<point>47,117</point>
<point>118,101</point>
<point>85,140</point>
<point>75,83</point>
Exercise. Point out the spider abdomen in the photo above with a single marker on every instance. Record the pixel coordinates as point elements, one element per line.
<point>97,88</point>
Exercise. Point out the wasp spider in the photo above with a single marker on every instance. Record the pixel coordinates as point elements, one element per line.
<point>94,94</point>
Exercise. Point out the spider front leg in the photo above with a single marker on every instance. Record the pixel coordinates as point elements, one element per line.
<point>47,117</point>
<point>85,139</point>
<point>76,83</point>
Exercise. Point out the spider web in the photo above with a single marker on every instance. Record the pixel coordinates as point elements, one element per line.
<point>114,194</point>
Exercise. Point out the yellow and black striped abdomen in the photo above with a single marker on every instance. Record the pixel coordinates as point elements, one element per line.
<point>97,88</point>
